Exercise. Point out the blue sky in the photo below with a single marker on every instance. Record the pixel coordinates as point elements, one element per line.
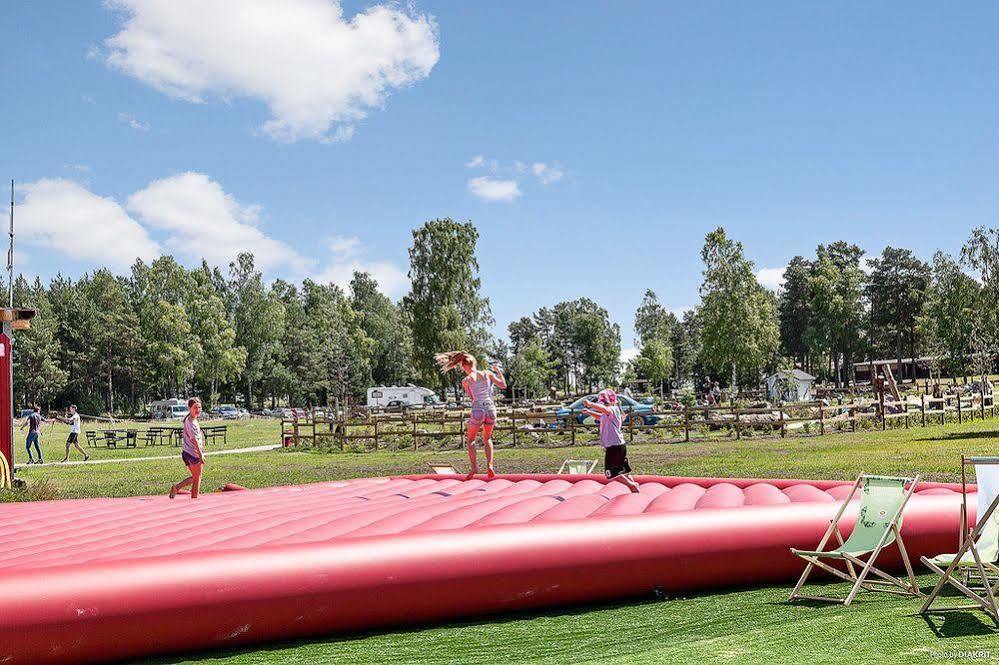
<point>612,136</point>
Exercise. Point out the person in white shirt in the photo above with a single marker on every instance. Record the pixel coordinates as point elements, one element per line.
<point>73,420</point>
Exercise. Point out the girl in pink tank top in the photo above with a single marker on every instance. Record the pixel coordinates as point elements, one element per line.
<point>478,384</point>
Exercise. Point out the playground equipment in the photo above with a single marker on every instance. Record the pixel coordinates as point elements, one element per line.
<point>110,579</point>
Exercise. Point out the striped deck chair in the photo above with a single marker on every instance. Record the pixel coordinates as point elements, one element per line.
<point>578,466</point>
<point>878,525</point>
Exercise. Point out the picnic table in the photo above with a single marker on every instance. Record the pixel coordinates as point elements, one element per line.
<point>160,435</point>
<point>113,437</point>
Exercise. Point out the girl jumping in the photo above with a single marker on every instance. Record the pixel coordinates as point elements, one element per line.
<point>479,386</point>
<point>606,411</point>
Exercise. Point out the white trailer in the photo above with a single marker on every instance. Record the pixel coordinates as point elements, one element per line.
<point>172,409</point>
<point>402,396</point>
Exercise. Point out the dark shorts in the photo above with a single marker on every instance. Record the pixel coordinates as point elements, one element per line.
<point>189,459</point>
<point>73,437</point>
<point>616,461</point>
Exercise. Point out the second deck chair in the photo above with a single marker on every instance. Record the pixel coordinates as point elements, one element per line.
<point>442,468</point>
<point>578,466</point>
<point>878,525</point>
<point>978,555</point>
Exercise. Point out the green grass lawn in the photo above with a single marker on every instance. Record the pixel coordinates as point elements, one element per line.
<point>242,433</point>
<point>746,625</point>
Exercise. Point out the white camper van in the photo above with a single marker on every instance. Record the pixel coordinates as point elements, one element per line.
<point>402,396</point>
<point>171,409</point>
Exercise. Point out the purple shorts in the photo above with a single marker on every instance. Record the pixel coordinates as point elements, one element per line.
<point>189,459</point>
<point>482,416</point>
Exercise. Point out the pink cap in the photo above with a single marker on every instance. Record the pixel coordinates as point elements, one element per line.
<point>607,396</point>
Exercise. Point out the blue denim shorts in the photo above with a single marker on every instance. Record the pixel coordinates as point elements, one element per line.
<point>482,416</point>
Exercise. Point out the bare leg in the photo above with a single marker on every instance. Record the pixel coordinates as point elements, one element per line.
<point>181,485</point>
<point>473,431</point>
<point>76,444</point>
<point>487,443</point>
<point>196,479</point>
<point>628,481</point>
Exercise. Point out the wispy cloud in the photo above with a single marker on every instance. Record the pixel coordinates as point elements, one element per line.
<point>347,256</point>
<point>546,173</point>
<point>133,122</point>
<point>494,189</point>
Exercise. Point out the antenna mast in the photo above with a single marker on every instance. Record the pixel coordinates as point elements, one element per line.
<point>10,251</point>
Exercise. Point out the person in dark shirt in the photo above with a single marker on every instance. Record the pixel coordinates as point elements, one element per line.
<point>33,422</point>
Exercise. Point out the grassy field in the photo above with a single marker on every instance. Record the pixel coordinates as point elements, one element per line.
<point>748,625</point>
<point>933,452</point>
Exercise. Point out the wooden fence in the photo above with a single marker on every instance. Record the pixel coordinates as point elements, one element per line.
<point>542,427</point>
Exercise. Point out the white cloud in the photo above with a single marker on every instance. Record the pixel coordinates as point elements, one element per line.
<point>346,246</point>
<point>475,162</point>
<point>132,122</point>
<point>202,221</point>
<point>494,189</point>
<point>771,278</point>
<point>347,258</point>
<point>546,173</point>
<point>62,215</point>
<point>318,71</point>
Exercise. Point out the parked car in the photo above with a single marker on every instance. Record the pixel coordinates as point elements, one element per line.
<point>631,407</point>
<point>228,411</point>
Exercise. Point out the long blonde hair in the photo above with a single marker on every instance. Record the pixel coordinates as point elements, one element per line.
<point>453,360</point>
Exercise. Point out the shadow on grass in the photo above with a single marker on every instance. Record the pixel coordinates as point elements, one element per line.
<point>334,638</point>
<point>959,623</point>
<point>990,435</point>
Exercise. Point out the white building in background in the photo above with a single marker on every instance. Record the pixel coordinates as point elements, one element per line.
<point>790,385</point>
<point>402,396</point>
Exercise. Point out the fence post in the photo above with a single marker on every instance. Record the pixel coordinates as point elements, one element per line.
<point>686,423</point>
<point>572,430</point>
<point>853,416</point>
<point>513,425</point>
<point>960,416</point>
<point>981,394</point>
<point>738,429</point>
<point>822,418</point>
<point>783,426</point>
<point>415,439</point>
<point>376,433</point>
<point>922,407</point>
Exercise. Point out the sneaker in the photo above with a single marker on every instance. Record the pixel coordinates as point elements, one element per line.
<point>86,458</point>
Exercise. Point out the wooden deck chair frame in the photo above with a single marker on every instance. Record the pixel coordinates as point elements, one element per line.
<point>983,596</point>
<point>887,583</point>
<point>442,468</point>
<point>591,464</point>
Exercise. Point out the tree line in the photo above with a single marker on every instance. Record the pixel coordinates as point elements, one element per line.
<point>833,310</point>
<point>112,343</point>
